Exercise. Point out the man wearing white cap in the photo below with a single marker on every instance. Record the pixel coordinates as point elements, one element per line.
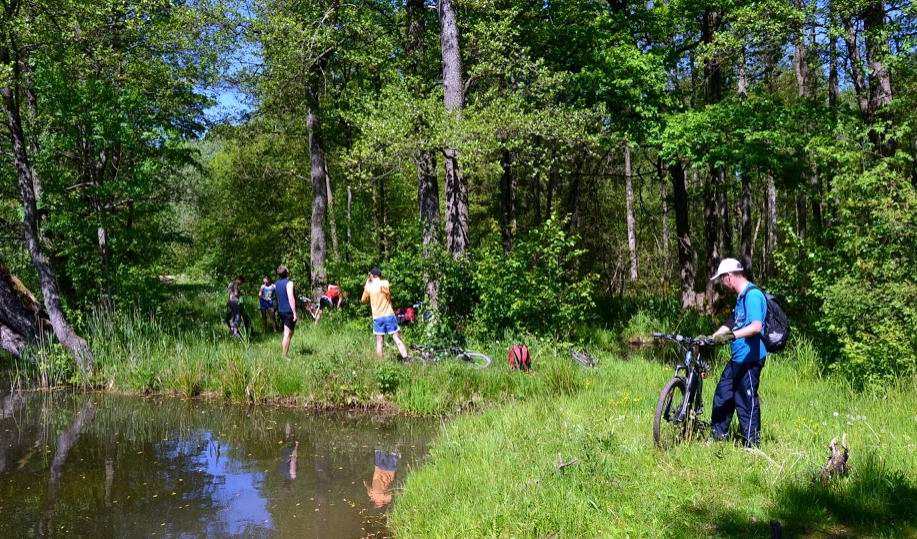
<point>737,390</point>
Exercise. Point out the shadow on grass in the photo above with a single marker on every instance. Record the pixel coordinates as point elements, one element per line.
<point>873,501</point>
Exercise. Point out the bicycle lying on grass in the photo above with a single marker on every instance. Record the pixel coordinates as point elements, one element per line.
<point>429,354</point>
<point>680,406</point>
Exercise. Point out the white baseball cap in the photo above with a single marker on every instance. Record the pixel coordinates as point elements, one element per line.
<point>727,265</point>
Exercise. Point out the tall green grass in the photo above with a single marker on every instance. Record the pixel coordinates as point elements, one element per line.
<point>331,365</point>
<point>496,474</point>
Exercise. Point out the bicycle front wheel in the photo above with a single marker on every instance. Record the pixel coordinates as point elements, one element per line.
<point>476,359</point>
<point>668,428</point>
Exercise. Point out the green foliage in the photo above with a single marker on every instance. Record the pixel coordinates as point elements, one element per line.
<point>869,284</point>
<point>389,377</point>
<point>535,288</point>
<point>860,293</point>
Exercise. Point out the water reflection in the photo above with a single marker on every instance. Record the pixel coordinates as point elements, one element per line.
<point>380,490</point>
<point>105,465</point>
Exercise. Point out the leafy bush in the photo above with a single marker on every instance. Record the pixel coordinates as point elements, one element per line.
<point>865,284</point>
<point>389,376</point>
<point>535,288</point>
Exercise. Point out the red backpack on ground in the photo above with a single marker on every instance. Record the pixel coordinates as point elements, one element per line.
<point>519,358</point>
<point>406,315</point>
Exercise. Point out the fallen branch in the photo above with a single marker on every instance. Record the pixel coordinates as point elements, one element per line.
<point>561,464</point>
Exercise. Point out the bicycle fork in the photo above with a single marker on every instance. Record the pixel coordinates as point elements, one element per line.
<point>693,389</point>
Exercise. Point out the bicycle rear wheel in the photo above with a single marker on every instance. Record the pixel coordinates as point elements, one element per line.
<point>475,359</point>
<point>668,429</point>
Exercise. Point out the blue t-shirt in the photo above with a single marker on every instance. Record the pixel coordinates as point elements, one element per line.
<point>751,305</point>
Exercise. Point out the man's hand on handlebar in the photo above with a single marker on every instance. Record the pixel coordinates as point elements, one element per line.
<point>723,338</point>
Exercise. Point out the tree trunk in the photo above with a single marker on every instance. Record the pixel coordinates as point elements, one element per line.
<point>711,236</point>
<point>856,70</point>
<point>536,199</point>
<point>742,84</point>
<point>73,343</point>
<point>456,187</point>
<point>631,217</point>
<point>683,234</point>
<point>427,182</point>
<point>664,201</point>
<point>722,197</point>
<point>713,75</point>
<point>381,217</point>
<point>549,198</point>
<point>331,220</point>
<point>428,197</point>
<point>107,300</point>
<point>747,240</point>
<point>800,61</point>
<point>880,84</point>
<point>319,201</point>
<point>21,316</point>
<point>834,90</point>
<point>770,234</point>
<point>507,200</point>
<point>349,213</point>
<point>816,200</point>
<point>801,214</point>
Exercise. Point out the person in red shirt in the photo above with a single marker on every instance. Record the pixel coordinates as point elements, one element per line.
<point>332,298</point>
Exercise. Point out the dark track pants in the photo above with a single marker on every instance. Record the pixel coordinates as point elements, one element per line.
<point>737,391</point>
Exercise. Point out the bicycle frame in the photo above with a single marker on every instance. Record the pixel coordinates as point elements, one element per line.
<point>692,373</point>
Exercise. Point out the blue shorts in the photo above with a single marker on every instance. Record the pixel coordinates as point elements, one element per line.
<point>385,325</point>
<point>265,304</point>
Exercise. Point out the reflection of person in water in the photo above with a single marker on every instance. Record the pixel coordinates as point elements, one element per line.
<point>380,491</point>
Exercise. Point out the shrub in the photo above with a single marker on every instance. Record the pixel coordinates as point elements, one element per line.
<point>864,287</point>
<point>536,288</point>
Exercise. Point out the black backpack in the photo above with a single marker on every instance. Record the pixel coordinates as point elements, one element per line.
<point>776,324</point>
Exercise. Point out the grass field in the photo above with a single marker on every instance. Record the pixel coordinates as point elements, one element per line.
<point>496,474</point>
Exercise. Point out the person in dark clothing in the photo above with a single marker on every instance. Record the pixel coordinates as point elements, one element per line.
<point>286,306</point>
<point>737,390</point>
<point>234,304</point>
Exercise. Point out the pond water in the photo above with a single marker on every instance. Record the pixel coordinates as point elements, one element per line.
<point>113,466</point>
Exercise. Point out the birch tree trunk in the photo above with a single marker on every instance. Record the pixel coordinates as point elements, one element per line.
<point>69,339</point>
<point>631,217</point>
<point>456,187</point>
<point>770,234</point>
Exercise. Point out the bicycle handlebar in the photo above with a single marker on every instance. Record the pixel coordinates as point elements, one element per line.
<point>682,340</point>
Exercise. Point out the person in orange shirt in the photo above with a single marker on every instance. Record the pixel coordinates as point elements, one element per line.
<point>377,293</point>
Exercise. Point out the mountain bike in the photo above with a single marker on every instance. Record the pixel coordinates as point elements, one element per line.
<point>429,354</point>
<point>680,406</point>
